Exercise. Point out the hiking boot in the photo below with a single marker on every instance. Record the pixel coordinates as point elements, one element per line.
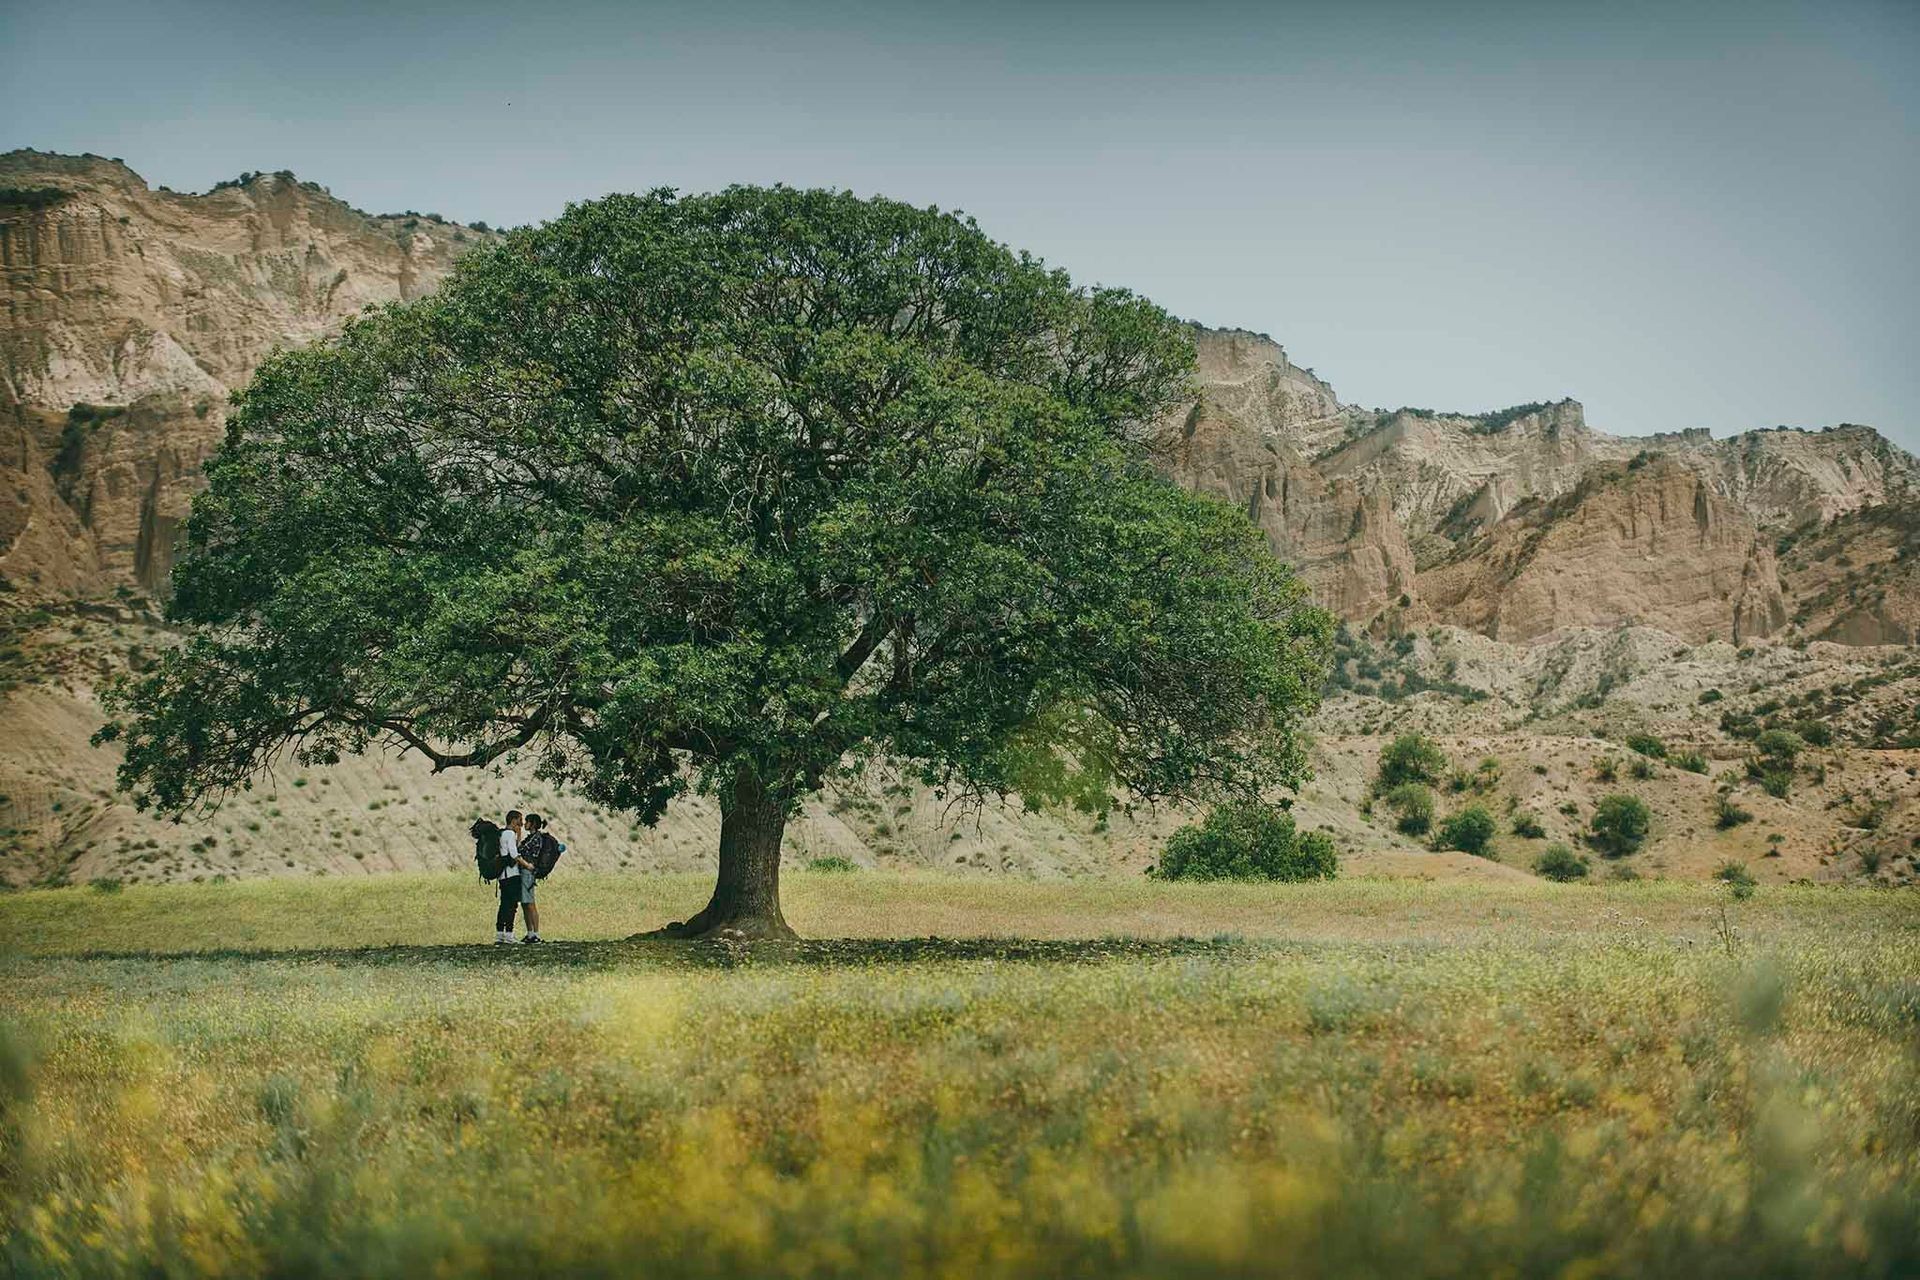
<point>533,937</point>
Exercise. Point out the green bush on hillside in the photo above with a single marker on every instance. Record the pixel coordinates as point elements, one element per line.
<point>1647,745</point>
<point>1778,748</point>
<point>1247,842</point>
<point>1412,806</point>
<point>1558,862</point>
<point>1737,878</point>
<point>1470,830</point>
<point>1411,757</point>
<point>1620,824</point>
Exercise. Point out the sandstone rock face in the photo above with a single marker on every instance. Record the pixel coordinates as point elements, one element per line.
<point>1856,580</point>
<point>130,315</point>
<point>1628,544</point>
<point>1249,377</point>
<point>1789,479</point>
<point>1447,472</point>
<point>1345,542</point>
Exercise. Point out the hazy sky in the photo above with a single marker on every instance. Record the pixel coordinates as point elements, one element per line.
<point>1681,214</point>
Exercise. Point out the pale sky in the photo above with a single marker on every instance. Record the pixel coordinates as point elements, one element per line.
<point>1681,214</point>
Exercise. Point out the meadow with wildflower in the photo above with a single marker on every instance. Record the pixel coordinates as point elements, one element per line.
<point>1344,1078</point>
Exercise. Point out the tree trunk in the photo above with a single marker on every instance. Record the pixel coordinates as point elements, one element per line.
<point>746,897</point>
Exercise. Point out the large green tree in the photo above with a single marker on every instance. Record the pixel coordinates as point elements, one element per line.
<point>728,493</point>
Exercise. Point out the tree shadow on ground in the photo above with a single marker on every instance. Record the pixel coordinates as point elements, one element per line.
<point>655,953</point>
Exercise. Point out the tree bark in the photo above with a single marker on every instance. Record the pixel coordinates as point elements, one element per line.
<point>746,896</point>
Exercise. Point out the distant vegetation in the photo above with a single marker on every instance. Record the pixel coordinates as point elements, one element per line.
<point>1620,824</point>
<point>1470,830</point>
<point>1411,757</point>
<point>32,197</point>
<point>1558,862</point>
<point>1389,673</point>
<point>1247,842</point>
<point>1411,804</point>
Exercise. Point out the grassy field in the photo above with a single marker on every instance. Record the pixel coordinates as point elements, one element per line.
<point>1391,1078</point>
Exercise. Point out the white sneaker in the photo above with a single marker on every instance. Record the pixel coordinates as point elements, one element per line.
<point>505,940</point>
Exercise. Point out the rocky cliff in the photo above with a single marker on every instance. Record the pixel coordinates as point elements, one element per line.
<point>1527,521</point>
<point>1628,543</point>
<point>130,313</point>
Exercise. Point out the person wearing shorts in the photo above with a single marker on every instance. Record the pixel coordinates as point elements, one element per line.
<point>516,885</point>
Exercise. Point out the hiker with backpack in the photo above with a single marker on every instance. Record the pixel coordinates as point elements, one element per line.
<point>541,851</point>
<point>516,858</point>
<point>516,884</point>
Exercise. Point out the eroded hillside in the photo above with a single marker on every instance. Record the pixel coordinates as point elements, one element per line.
<point>1529,590</point>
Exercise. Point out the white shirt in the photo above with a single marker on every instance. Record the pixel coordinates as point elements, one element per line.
<point>509,853</point>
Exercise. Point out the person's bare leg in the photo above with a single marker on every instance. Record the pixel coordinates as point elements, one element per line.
<point>532,913</point>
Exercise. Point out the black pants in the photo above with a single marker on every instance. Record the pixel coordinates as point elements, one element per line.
<point>509,899</point>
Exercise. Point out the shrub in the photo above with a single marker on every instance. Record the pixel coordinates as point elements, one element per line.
<point>1737,878</point>
<point>1470,830</point>
<point>104,884</point>
<point>1727,814</point>
<point>1528,827</point>
<point>1558,862</point>
<point>1647,745</point>
<point>1711,696</point>
<point>1641,769</point>
<point>1411,757</point>
<point>834,864</point>
<point>1619,824</point>
<point>1778,748</point>
<point>1691,761</point>
<point>1607,770</point>
<point>1816,733</point>
<point>1247,842</point>
<point>1777,782</point>
<point>1412,806</point>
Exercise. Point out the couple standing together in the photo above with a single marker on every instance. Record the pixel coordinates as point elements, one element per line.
<point>523,852</point>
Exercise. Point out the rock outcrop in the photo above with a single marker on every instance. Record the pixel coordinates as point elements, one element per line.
<point>1630,543</point>
<point>1344,540</point>
<point>130,314</point>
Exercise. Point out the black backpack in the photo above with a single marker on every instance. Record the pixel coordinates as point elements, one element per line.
<point>486,849</point>
<point>543,851</point>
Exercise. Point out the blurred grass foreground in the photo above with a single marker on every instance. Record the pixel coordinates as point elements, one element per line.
<point>1346,1079</point>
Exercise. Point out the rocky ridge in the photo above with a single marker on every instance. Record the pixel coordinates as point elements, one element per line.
<point>1527,521</point>
<point>131,313</point>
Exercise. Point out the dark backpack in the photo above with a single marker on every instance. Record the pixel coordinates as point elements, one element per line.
<point>542,850</point>
<point>486,849</point>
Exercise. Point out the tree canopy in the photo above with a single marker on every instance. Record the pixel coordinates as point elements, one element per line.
<point>730,492</point>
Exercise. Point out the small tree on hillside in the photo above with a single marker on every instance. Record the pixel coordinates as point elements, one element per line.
<point>1619,824</point>
<point>730,494</point>
<point>1412,806</point>
<point>1778,749</point>
<point>1411,757</point>
<point>1470,830</point>
<point>1558,862</point>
